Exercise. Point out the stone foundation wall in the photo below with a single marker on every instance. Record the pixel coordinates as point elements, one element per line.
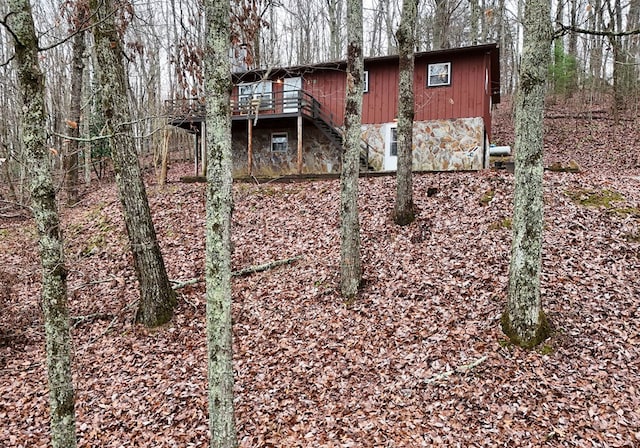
<point>318,155</point>
<point>439,145</point>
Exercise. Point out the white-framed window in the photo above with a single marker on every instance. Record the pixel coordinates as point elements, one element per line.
<point>365,81</point>
<point>279,142</point>
<point>439,74</point>
<point>254,92</point>
<point>393,141</point>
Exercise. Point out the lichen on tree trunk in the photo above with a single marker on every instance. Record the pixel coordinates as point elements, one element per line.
<point>157,298</point>
<point>43,203</point>
<point>218,226</point>
<point>404,212</point>
<point>350,258</point>
<point>523,320</point>
<point>73,122</point>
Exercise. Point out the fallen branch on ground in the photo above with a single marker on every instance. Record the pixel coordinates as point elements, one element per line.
<point>242,272</point>
<point>461,369</point>
<point>95,282</point>
<point>77,320</point>
<point>109,327</point>
<point>264,267</point>
<point>180,285</point>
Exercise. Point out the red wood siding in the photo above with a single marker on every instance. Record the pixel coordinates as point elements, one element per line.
<point>380,103</point>
<point>468,95</point>
<point>465,97</point>
<point>328,87</point>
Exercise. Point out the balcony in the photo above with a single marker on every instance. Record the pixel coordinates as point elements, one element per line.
<point>190,112</point>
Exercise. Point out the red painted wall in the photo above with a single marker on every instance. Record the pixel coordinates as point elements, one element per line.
<point>328,87</point>
<point>467,96</point>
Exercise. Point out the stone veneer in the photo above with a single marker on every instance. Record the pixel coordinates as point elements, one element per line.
<point>318,155</point>
<point>438,145</point>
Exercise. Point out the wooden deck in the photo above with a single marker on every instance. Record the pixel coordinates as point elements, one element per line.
<point>189,113</point>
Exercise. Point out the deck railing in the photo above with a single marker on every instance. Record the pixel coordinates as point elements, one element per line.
<point>263,105</point>
<point>295,102</point>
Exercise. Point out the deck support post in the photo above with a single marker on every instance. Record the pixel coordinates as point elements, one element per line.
<point>299,136</point>
<point>196,154</point>
<point>203,147</point>
<point>249,147</point>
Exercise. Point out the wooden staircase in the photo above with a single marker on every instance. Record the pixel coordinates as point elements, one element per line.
<point>336,135</point>
<point>189,113</point>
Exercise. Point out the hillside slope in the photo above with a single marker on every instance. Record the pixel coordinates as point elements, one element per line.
<point>418,360</point>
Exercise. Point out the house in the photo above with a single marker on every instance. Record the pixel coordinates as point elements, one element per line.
<point>290,120</point>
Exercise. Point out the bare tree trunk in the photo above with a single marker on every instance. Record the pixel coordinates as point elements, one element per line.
<point>442,18</point>
<point>334,13</point>
<point>475,19</point>
<point>350,258</point>
<point>376,29</point>
<point>43,202</point>
<point>618,70</point>
<point>77,69</point>
<point>524,320</point>
<point>633,42</point>
<point>157,298</point>
<point>389,26</point>
<point>218,226</point>
<point>632,48</point>
<point>596,54</point>
<point>404,209</point>
<point>619,60</point>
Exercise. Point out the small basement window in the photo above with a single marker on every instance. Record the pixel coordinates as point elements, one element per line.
<point>279,142</point>
<point>439,74</point>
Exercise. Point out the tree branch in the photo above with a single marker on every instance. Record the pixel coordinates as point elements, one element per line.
<point>4,23</point>
<point>460,369</point>
<point>264,267</point>
<point>565,29</point>
<point>242,272</point>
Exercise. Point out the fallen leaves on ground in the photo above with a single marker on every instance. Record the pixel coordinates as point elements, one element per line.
<point>313,372</point>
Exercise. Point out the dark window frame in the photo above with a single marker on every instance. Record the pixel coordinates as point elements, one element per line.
<point>277,145</point>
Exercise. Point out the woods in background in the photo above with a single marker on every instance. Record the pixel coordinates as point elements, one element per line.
<point>595,54</point>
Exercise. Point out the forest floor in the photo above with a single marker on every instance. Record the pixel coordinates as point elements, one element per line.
<point>418,360</point>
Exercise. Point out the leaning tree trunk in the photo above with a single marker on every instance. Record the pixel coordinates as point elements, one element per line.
<point>350,261</point>
<point>524,320</point>
<point>404,209</point>
<point>157,298</point>
<point>43,203</point>
<point>218,226</point>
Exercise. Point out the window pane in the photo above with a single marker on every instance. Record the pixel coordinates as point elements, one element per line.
<point>439,74</point>
<point>279,142</point>
<point>393,146</point>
